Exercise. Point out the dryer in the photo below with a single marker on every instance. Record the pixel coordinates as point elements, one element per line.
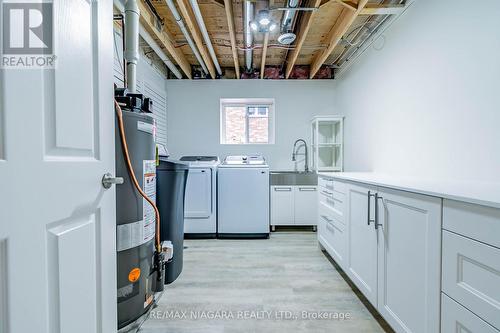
<point>200,205</point>
<point>243,197</point>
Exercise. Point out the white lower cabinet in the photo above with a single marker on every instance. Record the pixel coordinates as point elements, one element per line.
<point>362,241</point>
<point>456,319</point>
<point>305,208</point>
<point>409,260</point>
<point>293,205</point>
<point>427,264</point>
<point>391,250</point>
<point>282,205</point>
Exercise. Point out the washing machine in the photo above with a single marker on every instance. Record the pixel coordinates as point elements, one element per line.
<point>243,197</point>
<point>200,205</point>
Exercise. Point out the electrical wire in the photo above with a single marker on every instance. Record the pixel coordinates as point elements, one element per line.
<point>119,115</point>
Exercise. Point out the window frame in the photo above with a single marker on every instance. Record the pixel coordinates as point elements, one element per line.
<point>247,102</point>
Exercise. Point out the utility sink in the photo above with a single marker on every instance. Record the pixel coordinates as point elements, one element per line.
<point>293,178</point>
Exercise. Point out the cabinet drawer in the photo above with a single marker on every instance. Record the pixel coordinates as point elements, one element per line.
<point>330,216</point>
<point>335,201</point>
<point>474,221</point>
<point>455,318</point>
<point>471,275</point>
<point>325,183</point>
<point>339,187</point>
<point>331,234</point>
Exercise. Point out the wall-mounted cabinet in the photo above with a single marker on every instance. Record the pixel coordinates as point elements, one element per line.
<point>327,143</point>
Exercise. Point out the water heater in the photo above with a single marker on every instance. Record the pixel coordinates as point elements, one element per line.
<point>135,217</point>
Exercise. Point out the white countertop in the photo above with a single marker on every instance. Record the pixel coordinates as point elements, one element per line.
<point>481,193</point>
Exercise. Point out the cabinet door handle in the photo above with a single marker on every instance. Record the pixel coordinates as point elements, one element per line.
<point>377,197</point>
<point>307,189</point>
<point>282,189</point>
<point>369,219</point>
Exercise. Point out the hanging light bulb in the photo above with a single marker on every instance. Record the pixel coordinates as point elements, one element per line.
<point>263,23</point>
<point>264,19</point>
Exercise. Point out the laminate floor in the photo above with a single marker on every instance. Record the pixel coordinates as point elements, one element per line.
<point>282,284</point>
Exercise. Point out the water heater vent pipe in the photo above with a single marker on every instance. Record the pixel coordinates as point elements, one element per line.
<point>131,53</point>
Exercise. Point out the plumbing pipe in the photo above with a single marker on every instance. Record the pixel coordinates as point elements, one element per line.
<point>131,53</point>
<point>204,32</point>
<point>248,15</point>
<point>182,26</point>
<point>151,42</point>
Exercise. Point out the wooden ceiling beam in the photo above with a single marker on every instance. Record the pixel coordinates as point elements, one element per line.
<point>220,3</point>
<point>303,29</point>
<point>193,29</point>
<point>147,19</point>
<point>347,4</point>
<point>382,9</point>
<point>339,29</point>
<point>264,55</point>
<point>228,4</point>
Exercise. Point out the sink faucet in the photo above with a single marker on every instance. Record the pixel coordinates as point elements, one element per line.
<point>294,154</point>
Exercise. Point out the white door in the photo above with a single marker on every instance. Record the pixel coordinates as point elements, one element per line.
<point>282,205</point>
<point>198,203</point>
<point>57,223</point>
<point>362,244</point>
<point>306,205</point>
<point>409,259</point>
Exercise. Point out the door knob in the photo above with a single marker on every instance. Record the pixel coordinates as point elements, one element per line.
<point>108,180</point>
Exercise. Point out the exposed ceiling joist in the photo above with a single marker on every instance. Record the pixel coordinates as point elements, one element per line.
<point>147,20</point>
<point>303,29</point>
<point>232,35</point>
<point>193,29</point>
<point>341,26</point>
<point>382,9</point>
<point>264,55</point>
<point>347,4</point>
<point>220,3</point>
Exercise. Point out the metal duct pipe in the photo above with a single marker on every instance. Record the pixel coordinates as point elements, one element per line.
<point>180,23</point>
<point>131,53</point>
<point>204,32</point>
<point>151,42</point>
<point>289,16</point>
<point>248,15</point>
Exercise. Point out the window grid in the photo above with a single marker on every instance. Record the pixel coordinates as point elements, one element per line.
<point>256,126</point>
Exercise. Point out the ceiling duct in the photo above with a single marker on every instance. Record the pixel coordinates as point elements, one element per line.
<point>287,36</point>
<point>248,15</point>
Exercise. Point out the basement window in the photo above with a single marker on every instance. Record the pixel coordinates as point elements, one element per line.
<point>246,121</point>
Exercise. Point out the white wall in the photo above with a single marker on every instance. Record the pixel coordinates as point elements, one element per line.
<point>193,115</point>
<point>150,81</point>
<point>428,103</point>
